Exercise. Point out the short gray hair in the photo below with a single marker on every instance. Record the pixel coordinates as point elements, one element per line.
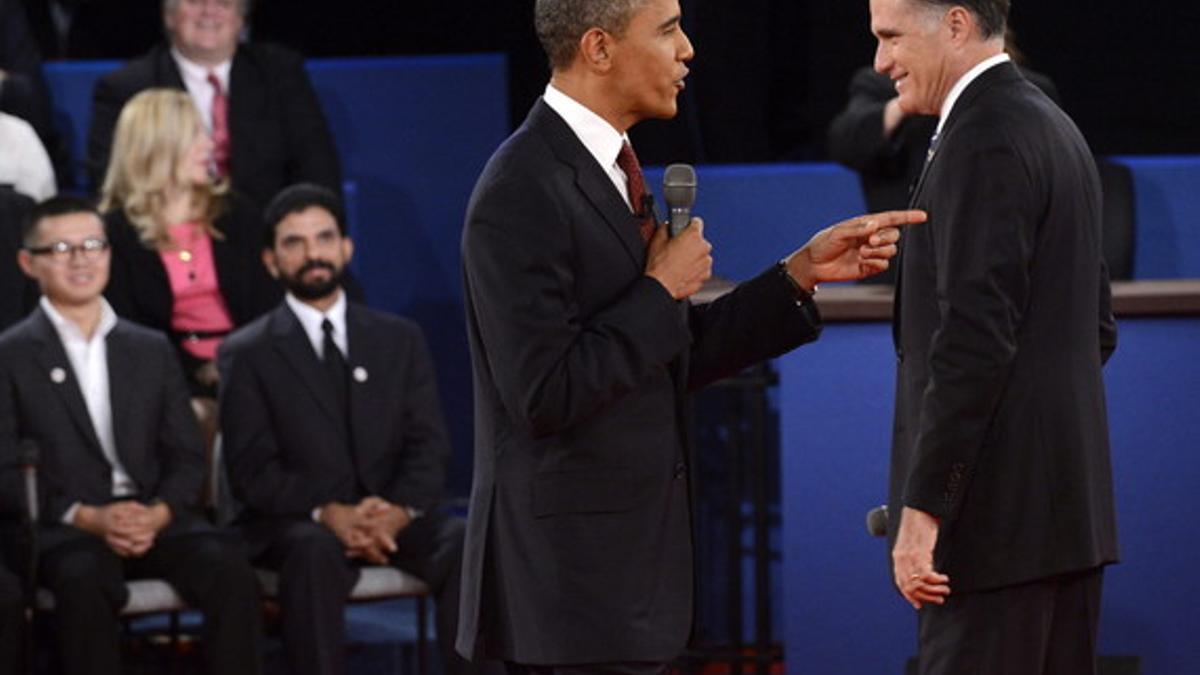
<point>992,15</point>
<point>561,23</point>
<point>243,6</point>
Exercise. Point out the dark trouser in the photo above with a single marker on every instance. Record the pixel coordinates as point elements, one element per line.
<point>12,619</point>
<point>1046,627</point>
<point>207,569</point>
<point>315,579</point>
<point>588,669</point>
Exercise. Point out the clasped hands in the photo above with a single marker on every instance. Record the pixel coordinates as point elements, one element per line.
<point>129,528</point>
<point>849,250</point>
<point>368,529</point>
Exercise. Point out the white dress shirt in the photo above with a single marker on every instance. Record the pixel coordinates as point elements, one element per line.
<point>311,319</point>
<point>195,79</point>
<point>89,363</point>
<point>963,82</point>
<point>600,138</point>
<point>24,163</point>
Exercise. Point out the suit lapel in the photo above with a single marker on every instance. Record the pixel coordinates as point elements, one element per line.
<point>366,372</point>
<point>122,370</point>
<point>292,342</point>
<point>52,361</point>
<point>592,181</point>
<point>168,71</point>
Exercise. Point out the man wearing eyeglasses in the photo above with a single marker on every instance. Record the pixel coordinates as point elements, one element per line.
<point>121,457</point>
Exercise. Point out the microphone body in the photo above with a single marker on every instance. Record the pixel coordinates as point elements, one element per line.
<point>679,191</point>
<point>29,462</point>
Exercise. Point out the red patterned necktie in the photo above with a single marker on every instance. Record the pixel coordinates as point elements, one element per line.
<point>636,183</point>
<point>220,127</point>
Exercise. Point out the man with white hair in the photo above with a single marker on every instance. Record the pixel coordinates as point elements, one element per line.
<point>260,108</point>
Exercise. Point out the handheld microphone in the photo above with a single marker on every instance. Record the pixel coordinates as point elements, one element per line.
<point>29,460</point>
<point>679,191</point>
<point>877,521</point>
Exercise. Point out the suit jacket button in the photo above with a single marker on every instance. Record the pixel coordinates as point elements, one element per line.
<point>680,470</point>
<point>899,356</point>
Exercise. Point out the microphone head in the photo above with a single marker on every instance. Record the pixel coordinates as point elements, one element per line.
<point>877,521</point>
<point>679,186</point>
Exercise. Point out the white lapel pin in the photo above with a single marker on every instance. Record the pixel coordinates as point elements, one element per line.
<point>58,375</point>
<point>360,374</point>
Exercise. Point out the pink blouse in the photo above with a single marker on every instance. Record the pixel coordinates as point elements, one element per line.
<point>199,306</point>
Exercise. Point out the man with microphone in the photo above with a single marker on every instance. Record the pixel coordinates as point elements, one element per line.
<point>578,553</point>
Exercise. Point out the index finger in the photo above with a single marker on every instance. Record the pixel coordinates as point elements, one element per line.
<point>874,222</point>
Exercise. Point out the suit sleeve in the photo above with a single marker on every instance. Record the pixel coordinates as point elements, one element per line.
<point>983,246</point>
<point>856,137</point>
<point>257,473</point>
<point>760,319</point>
<point>424,447</point>
<point>553,365</point>
<point>180,442</point>
<point>312,155</point>
<point>107,100</point>
<point>12,491</point>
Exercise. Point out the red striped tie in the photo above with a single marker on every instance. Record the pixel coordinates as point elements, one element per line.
<point>220,127</point>
<point>636,183</point>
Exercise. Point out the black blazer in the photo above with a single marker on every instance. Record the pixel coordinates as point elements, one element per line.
<point>139,289</point>
<point>1003,321</point>
<point>157,437</point>
<point>579,543</point>
<point>289,448</point>
<point>278,133</point>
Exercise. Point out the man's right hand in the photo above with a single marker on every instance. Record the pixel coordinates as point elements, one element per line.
<point>345,522</point>
<point>682,263</point>
<point>126,527</point>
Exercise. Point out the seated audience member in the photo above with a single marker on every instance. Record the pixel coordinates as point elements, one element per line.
<point>121,458</point>
<point>24,164</point>
<point>23,90</point>
<point>334,439</point>
<point>256,101</point>
<point>20,293</point>
<point>185,258</point>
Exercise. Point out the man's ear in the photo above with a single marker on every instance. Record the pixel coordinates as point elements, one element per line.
<point>595,49</point>
<point>25,262</point>
<point>268,261</point>
<point>347,249</point>
<point>961,24</point>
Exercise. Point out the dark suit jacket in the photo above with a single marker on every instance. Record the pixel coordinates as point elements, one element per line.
<point>278,133</point>
<point>289,448</point>
<point>157,438</point>
<point>1003,322</point>
<point>579,544</point>
<point>20,292</point>
<point>139,290</point>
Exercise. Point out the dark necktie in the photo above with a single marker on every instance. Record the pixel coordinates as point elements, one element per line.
<point>334,364</point>
<point>636,183</point>
<point>220,127</point>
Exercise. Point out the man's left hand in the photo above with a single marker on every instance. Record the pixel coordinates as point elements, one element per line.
<point>850,250</point>
<point>912,560</point>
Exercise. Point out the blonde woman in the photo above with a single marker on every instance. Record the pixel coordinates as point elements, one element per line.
<point>185,253</point>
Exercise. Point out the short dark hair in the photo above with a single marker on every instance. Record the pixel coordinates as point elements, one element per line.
<point>59,205</point>
<point>561,24</point>
<point>297,198</point>
<point>992,15</point>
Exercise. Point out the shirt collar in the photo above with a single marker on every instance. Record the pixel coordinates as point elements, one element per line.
<point>194,72</point>
<point>963,82</point>
<point>600,138</point>
<point>69,330</point>
<point>311,318</point>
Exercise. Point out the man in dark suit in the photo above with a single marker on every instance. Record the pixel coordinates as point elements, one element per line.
<point>579,553</point>
<point>121,458</point>
<point>335,440</point>
<point>1001,485</point>
<point>272,133</point>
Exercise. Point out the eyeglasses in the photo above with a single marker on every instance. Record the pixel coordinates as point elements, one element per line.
<point>61,251</point>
